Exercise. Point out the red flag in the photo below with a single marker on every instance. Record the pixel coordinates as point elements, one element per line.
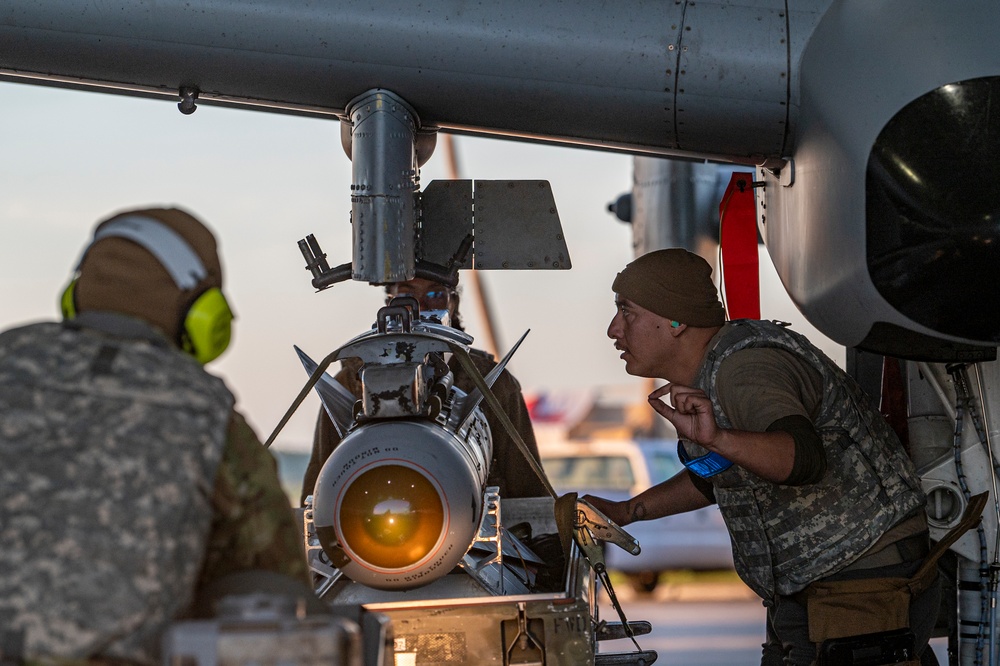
<point>738,240</point>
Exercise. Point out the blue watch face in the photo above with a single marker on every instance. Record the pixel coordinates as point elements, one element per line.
<point>704,466</point>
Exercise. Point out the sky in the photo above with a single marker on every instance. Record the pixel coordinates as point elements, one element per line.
<point>261,182</point>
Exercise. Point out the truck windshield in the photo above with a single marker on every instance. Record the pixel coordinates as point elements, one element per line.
<point>591,472</point>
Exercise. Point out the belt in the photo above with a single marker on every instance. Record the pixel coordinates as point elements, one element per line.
<point>910,549</point>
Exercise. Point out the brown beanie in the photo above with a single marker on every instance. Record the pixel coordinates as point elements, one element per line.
<point>119,275</point>
<point>675,284</point>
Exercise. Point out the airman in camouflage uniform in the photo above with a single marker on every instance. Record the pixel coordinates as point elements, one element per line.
<point>812,482</point>
<point>508,469</point>
<point>786,536</point>
<point>128,481</point>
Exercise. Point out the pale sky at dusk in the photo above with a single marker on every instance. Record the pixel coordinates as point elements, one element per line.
<point>263,181</point>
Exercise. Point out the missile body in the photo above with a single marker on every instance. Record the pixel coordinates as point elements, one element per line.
<point>400,500</point>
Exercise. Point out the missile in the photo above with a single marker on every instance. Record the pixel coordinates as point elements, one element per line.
<point>400,500</point>
<point>403,500</point>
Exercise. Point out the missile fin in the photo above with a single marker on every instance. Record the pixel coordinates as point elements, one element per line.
<point>476,396</point>
<point>337,400</point>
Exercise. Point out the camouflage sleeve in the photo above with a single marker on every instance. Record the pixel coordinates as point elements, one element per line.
<point>253,527</point>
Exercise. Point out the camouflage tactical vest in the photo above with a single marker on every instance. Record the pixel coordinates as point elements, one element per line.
<point>785,537</point>
<point>109,449</point>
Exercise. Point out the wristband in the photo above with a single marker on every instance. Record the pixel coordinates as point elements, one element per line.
<point>704,466</point>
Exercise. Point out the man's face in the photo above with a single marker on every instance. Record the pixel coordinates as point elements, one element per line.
<point>644,339</point>
<point>430,295</point>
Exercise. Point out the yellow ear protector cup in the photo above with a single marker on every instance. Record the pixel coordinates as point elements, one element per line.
<point>206,328</point>
<point>67,301</point>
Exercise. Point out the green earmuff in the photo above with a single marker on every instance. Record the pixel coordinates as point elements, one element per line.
<point>206,326</point>
<point>67,301</point>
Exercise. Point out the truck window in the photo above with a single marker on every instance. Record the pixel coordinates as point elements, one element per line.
<point>662,465</point>
<point>590,473</point>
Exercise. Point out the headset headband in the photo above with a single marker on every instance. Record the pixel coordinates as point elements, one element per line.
<point>170,249</point>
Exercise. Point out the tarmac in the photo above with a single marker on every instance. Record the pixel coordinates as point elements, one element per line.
<point>707,591</point>
<point>689,586</point>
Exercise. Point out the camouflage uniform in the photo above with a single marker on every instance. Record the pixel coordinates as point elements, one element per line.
<point>111,448</point>
<point>508,469</point>
<point>785,537</point>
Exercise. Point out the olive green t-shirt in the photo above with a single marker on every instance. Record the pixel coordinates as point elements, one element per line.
<point>759,385</point>
<point>765,389</point>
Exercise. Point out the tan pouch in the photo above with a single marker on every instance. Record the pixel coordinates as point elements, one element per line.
<point>853,607</point>
<point>856,609</point>
<point>841,609</point>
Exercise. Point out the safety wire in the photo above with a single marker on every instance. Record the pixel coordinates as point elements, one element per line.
<point>963,402</point>
<point>983,430</point>
<point>526,579</point>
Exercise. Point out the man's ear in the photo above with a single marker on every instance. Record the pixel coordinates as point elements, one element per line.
<point>676,328</point>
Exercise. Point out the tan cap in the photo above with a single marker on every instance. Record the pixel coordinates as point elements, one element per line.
<point>119,275</point>
<point>675,284</point>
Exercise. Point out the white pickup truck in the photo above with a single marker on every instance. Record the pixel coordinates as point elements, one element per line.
<point>622,468</point>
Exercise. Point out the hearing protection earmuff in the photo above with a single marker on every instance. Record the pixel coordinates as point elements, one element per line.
<point>206,326</point>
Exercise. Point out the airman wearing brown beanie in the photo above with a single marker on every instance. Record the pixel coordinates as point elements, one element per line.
<point>118,275</point>
<point>669,310</point>
<point>774,432</point>
<point>675,284</point>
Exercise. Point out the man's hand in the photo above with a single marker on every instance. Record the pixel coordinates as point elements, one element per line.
<point>616,511</point>
<point>769,455</point>
<point>691,413</point>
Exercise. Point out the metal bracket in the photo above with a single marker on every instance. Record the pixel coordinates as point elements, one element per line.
<point>326,573</point>
<point>489,569</point>
<point>525,649</point>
